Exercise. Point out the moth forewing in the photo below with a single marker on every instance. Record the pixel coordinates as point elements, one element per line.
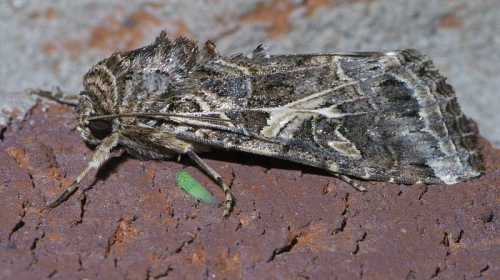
<point>369,115</point>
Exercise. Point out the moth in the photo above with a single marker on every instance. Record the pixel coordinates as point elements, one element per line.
<point>383,116</point>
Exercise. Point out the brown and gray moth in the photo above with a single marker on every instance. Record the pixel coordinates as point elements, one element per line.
<point>383,116</point>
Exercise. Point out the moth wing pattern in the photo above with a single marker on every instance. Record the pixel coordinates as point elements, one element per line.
<point>385,117</point>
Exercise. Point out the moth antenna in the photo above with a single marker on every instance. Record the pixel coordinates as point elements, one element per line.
<point>131,115</point>
<point>58,96</point>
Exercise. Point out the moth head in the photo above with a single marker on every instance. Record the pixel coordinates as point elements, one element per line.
<point>93,131</point>
<point>100,129</point>
<point>148,72</point>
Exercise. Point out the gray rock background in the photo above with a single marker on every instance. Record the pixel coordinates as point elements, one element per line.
<point>50,44</point>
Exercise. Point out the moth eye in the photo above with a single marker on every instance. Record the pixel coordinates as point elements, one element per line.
<point>100,128</point>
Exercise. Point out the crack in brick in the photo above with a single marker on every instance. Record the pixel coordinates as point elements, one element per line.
<point>340,226</point>
<point>33,248</point>
<point>238,226</point>
<point>23,161</point>
<point>3,128</point>
<point>80,263</point>
<point>163,274</point>
<point>484,269</point>
<point>16,227</point>
<point>32,180</point>
<point>359,240</point>
<point>20,224</point>
<point>233,178</point>
<point>459,237</point>
<point>424,191</point>
<point>123,231</point>
<point>303,276</point>
<point>153,177</point>
<point>488,217</point>
<point>412,275</point>
<point>343,222</point>
<point>19,155</point>
<point>447,243</point>
<point>436,272</point>
<point>446,240</point>
<point>52,274</point>
<point>34,244</point>
<point>83,203</point>
<point>148,273</point>
<point>185,243</point>
<point>287,248</point>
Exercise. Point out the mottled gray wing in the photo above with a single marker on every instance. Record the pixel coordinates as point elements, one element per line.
<point>392,118</point>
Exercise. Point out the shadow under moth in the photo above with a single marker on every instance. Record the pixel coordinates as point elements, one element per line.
<point>383,116</point>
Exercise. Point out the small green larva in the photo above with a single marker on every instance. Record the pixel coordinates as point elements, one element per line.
<point>192,187</point>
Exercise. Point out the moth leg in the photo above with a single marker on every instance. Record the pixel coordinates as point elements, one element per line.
<point>70,100</point>
<point>351,182</point>
<point>228,200</point>
<point>101,155</point>
<point>150,137</point>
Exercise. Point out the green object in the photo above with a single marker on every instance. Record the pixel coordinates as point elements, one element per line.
<point>188,184</point>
